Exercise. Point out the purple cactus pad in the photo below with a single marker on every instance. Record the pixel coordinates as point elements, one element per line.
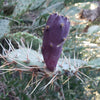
<point>55,33</point>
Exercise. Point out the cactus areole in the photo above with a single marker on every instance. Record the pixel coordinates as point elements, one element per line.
<point>55,33</point>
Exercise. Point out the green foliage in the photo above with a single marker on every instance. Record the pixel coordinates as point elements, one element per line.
<point>26,38</point>
<point>1,3</point>
<point>95,63</point>
<point>53,7</point>
<point>93,29</point>
<point>4,27</point>
<point>37,4</point>
<point>21,7</point>
<point>70,2</point>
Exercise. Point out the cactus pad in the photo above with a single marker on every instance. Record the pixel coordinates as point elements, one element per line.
<point>55,33</point>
